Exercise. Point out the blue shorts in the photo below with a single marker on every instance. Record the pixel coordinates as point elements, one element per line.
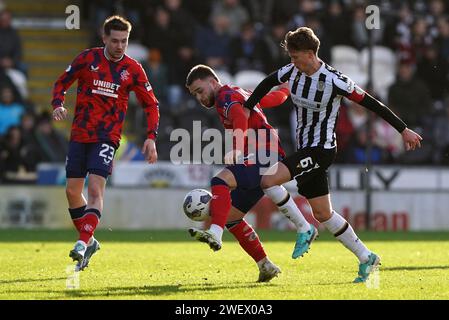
<point>96,158</point>
<point>248,191</point>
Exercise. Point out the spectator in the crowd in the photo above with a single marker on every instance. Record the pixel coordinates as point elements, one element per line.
<point>235,12</point>
<point>182,20</point>
<point>99,10</point>
<point>337,24</point>
<point>260,11</point>
<point>157,73</point>
<point>11,45</point>
<point>388,139</point>
<point>283,11</point>
<point>162,35</point>
<point>53,146</point>
<point>185,60</point>
<point>11,64</point>
<point>249,51</point>
<point>360,36</point>
<point>314,23</point>
<point>17,162</point>
<point>274,38</point>
<point>10,111</point>
<point>213,43</point>
<point>27,125</point>
<point>443,38</point>
<point>398,34</point>
<point>436,10</point>
<point>409,97</point>
<point>421,39</point>
<point>357,153</point>
<point>344,130</point>
<point>433,70</point>
<point>200,10</point>
<point>304,9</point>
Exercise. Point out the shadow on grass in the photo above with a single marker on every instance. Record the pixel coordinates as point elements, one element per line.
<point>13,281</point>
<point>149,291</point>
<point>413,268</point>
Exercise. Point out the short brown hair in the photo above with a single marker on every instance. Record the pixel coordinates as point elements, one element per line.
<point>301,39</point>
<point>200,71</point>
<point>117,23</point>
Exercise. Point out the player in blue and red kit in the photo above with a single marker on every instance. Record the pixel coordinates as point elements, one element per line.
<point>236,188</point>
<point>105,77</point>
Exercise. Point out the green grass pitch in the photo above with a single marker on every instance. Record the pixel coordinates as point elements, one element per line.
<point>170,265</point>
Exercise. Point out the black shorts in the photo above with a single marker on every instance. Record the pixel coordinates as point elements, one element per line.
<point>96,158</point>
<point>309,168</point>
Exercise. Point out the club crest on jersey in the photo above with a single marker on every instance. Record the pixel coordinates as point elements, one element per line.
<point>124,75</point>
<point>320,86</point>
<point>351,85</point>
<point>94,68</point>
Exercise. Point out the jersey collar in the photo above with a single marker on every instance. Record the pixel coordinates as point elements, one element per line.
<point>109,59</point>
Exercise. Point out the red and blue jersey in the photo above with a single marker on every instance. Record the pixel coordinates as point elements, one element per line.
<point>102,96</point>
<point>229,103</point>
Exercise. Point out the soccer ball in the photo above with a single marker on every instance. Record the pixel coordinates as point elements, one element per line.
<point>196,204</point>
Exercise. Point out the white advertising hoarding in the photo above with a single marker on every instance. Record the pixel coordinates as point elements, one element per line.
<point>149,208</point>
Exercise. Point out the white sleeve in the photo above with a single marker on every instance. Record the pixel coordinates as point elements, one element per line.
<point>346,86</point>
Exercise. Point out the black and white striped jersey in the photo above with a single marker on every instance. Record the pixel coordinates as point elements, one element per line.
<point>317,99</point>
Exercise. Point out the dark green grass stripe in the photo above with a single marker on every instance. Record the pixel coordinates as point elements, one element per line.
<point>22,235</point>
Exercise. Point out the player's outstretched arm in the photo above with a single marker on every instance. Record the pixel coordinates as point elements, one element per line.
<point>261,90</point>
<point>149,150</point>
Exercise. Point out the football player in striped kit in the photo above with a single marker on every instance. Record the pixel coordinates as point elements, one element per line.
<point>236,188</point>
<point>316,90</point>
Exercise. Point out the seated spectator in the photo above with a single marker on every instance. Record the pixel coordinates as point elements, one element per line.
<point>357,150</point>
<point>17,160</point>
<point>387,138</point>
<point>344,131</point>
<point>52,144</point>
<point>11,54</point>
<point>11,48</point>
<point>27,125</point>
<point>409,97</point>
<point>10,111</point>
<point>213,43</point>
<point>157,73</point>
<point>185,60</point>
<point>234,11</point>
<point>433,70</point>
<point>278,56</point>
<point>248,51</point>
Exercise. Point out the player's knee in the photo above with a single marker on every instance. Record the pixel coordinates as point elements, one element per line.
<point>95,194</point>
<point>266,182</point>
<point>72,192</point>
<point>321,214</point>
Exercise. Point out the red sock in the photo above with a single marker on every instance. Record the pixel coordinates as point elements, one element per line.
<point>76,214</point>
<point>220,204</point>
<point>87,224</point>
<point>249,240</point>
